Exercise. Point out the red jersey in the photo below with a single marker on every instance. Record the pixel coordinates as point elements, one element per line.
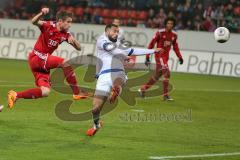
<point>165,40</point>
<point>50,38</point>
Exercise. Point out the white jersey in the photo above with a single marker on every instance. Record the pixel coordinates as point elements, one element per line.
<point>110,63</point>
<point>106,59</point>
<point>110,57</point>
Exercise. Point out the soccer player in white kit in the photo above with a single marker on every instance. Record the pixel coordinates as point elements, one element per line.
<point>110,71</point>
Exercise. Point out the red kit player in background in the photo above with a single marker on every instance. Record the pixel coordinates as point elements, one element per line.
<point>165,39</point>
<point>41,60</point>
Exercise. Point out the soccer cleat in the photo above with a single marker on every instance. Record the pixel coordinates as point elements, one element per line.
<point>167,98</point>
<point>12,97</point>
<point>82,95</point>
<point>141,93</point>
<point>93,130</point>
<point>115,93</point>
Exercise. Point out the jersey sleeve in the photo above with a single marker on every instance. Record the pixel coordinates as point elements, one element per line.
<point>45,25</point>
<point>176,48</point>
<point>101,43</point>
<point>132,51</point>
<point>154,40</point>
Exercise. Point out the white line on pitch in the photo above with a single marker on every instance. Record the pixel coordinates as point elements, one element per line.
<point>195,156</point>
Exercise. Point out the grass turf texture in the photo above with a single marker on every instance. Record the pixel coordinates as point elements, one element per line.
<point>32,130</point>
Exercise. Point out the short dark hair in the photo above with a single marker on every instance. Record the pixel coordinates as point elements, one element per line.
<point>170,19</point>
<point>110,26</point>
<point>63,15</point>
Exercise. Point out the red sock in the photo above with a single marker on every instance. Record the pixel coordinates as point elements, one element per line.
<point>71,79</point>
<point>148,84</point>
<point>30,94</point>
<point>165,86</point>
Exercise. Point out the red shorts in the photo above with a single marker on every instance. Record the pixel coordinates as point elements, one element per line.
<point>161,63</point>
<point>41,68</point>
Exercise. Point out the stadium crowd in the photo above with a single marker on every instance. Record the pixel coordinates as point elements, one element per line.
<point>200,15</point>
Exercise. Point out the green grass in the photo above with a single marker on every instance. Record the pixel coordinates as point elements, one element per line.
<point>32,131</point>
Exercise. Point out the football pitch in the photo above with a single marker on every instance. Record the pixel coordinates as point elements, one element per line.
<point>203,122</point>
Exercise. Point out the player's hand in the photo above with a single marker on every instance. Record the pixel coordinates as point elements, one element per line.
<point>71,40</point>
<point>159,50</point>
<point>181,61</point>
<point>147,62</point>
<point>45,11</point>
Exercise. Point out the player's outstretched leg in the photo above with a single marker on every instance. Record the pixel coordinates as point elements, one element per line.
<point>150,83</point>
<point>33,93</point>
<point>98,102</point>
<point>72,81</point>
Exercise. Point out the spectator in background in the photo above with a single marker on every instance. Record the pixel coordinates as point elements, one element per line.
<point>218,13</point>
<point>198,10</point>
<point>189,25</point>
<point>130,22</point>
<point>171,14</point>
<point>150,23</point>
<point>172,8</point>
<point>233,25</point>
<point>86,16</point>
<point>228,13</point>
<point>151,13</point>
<point>208,12</point>
<point>96,18</point>
<point>158,22</point>
<point>179,26</point>
<point>188,13</point>
<point>208,25</point>
<point>162,14</point>
<point>197,23</point>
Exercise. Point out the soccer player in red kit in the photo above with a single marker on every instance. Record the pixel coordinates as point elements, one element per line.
<point>41,60</point>
<point>165,39</point>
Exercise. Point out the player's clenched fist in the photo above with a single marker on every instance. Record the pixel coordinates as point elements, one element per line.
<point>45,11</point>
<point>71,40</point>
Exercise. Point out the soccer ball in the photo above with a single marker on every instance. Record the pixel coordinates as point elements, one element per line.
<point>221,34</point>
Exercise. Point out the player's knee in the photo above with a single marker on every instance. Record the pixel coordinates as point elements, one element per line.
<point>96,105</point>
<point>45,91</point>
<point>166,76</point>
<point>156,76</point>
<point>166,73</point>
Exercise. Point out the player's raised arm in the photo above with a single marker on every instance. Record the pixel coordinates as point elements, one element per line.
<point>36,19</point>
<point>74,43</point>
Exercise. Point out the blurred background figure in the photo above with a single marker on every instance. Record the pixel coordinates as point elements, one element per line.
<point>198,15</point>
